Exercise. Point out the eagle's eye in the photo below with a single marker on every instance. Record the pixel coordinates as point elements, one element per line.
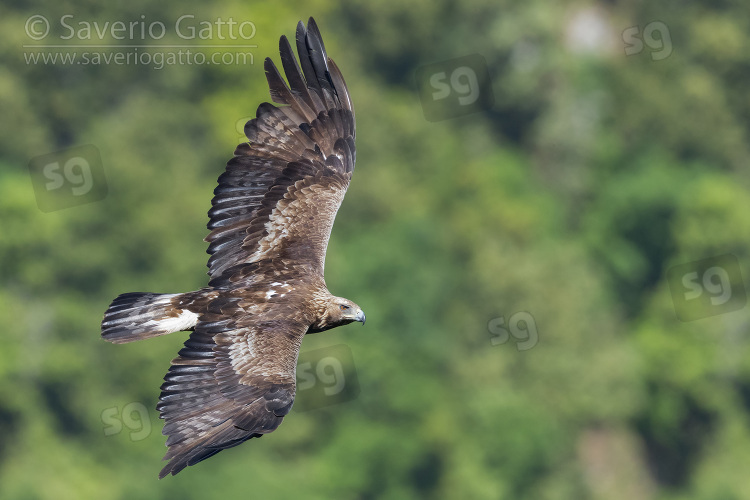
<point>344,307</point>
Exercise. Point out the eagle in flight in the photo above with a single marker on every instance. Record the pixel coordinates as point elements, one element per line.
<point>270,221</point>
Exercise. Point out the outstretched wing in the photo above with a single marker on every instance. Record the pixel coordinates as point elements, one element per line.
<point>234,379</point>
<point>281,191</point>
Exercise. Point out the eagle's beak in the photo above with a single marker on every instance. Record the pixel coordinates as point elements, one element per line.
<point>360,316</point>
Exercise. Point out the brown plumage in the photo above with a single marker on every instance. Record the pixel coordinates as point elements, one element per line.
<point>270,221</point>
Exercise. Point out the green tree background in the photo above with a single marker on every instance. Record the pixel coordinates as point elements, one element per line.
<point>592,175</point>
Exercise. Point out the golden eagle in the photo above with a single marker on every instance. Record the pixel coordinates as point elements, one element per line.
<point>270,221</point>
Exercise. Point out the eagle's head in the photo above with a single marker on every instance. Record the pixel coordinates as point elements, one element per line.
<point>337,311</point>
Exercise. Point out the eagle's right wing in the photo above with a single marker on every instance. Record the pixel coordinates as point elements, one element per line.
<point>281,191</point>
<point>234,379</point>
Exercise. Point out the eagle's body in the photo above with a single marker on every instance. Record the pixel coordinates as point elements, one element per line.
<point>271,218</point>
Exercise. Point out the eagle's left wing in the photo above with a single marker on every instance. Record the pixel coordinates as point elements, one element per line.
<point>234,380</point>
<point>281,191</point>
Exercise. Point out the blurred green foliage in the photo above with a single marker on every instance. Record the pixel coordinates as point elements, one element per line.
<point>592,175</point>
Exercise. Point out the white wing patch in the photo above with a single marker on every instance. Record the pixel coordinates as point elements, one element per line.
<point>285,287</point>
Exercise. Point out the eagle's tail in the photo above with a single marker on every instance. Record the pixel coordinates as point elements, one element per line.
<point>138,316</point>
